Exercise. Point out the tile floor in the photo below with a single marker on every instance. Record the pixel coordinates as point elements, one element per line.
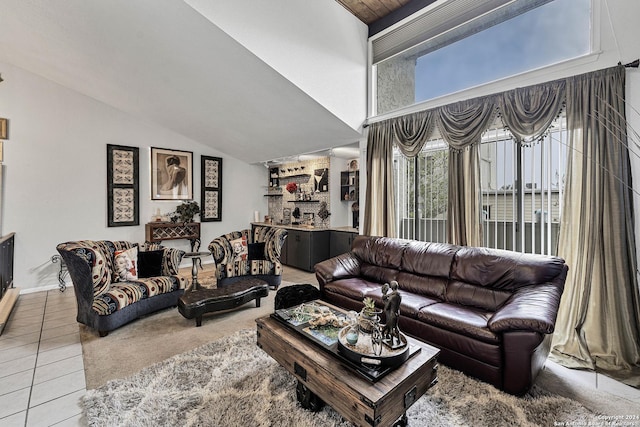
<point>41,368</point>
<point>42,372</point>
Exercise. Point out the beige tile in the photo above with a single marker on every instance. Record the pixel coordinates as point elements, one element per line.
<point>12,332</point>
<point>60,341</point>
<point>17,321</point>
<point>10,342</point>
<point>56,410</point>
<point>17,353</point>
<point>12,403</point>
<point>15,420</point>
<point>57,387</point>
<point>58,369</point>
<point>60,353</point>
<point>68,314</point>
<point>75,421</point>
<point>15,366</point>
<point>60,330</point>
<point>16,381</point>
<point>56,323</point>
<point>24,304</point>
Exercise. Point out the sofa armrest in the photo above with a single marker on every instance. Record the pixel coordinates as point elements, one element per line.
<point>273,245</point>
<point>172,260</point>
<point>531,308</point>
<point>340,267</point>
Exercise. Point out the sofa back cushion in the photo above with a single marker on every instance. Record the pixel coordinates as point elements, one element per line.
<point>504,270</point>
<point>382,252</point>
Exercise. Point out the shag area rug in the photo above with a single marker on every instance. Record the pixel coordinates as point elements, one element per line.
<point>231,382</point>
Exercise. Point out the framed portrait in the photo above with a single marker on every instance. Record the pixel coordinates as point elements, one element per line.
<point>123,198</point>
<point>4,132</point>
<point>321,180</point>
<point>211,188</point>
<point>171,174</point>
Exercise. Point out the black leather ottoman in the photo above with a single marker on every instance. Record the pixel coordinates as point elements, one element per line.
<point>196,303</point>
<point>295,294</point>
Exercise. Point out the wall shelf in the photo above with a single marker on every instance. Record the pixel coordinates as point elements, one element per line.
<point>304,201</point>
<point>273,195</point>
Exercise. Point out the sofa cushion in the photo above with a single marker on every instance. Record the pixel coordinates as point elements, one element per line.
<point>125,265</point>
<point>412,304</point>
<point>431,286</point>
<point>433,259</point>
<point>468,321</point>
<point>355,288</point>
<point>239,248</point>
<point>502,269</point>
<point>122,294</point>
<point>377,274</point>
<point>255,251</point>
<point>475,296</point>
<point>379,251</point>
<point>150,263</point>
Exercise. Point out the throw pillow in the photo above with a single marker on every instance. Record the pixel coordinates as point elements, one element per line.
<point>150,263</point>
<point>239,248</point>
<point>125,265</point>
<point>256,251</point>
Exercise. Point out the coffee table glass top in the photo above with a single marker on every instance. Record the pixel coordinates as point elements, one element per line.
<point>321,323</point>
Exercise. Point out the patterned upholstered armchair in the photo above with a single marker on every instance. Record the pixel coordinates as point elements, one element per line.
<point>116,282</point>
<point>249,253</point>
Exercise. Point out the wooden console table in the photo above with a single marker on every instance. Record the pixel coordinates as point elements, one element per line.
<point>159,231</point>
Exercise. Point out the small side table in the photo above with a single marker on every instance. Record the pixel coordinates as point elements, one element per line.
<point>196,258</point>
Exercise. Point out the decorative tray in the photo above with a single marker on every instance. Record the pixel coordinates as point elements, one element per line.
<point>362,351</point>
<point>300,318</point>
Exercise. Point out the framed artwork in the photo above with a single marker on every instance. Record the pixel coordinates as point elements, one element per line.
<point>321,180</point>
<point>123,195</point>
<point>4,133</point>
<point>171,174</point>
<point>211,187</point>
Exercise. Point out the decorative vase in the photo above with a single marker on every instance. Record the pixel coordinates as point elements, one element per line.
<point>352,335</point>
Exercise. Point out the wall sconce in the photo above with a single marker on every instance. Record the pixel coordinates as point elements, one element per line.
<point>1,79</point>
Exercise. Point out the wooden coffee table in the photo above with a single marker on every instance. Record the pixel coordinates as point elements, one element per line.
<point>325,377</point>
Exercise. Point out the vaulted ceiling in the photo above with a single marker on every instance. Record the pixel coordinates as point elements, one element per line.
<point>168,62</point>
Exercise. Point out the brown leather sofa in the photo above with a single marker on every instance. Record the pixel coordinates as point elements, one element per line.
<point>491,312</point>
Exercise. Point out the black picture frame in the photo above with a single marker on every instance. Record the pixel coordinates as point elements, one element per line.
<point>164,163</point>
<point>123,186</point>
<point>211,189</point>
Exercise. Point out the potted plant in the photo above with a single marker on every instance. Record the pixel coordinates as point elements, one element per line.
<point>186,211</point>
<point>369,315</point>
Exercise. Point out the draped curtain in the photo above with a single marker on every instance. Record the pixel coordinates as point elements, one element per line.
<point>379,217</point>
<point>598,321</point>
<point>598,324</point>
<point>461,126</point>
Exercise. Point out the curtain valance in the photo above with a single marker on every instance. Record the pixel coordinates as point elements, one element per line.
<point>528,112</point>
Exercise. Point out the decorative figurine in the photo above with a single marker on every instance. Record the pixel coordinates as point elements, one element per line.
<point>392,300</point>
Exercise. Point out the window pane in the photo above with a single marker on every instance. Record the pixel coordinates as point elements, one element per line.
<point>422,193</point>
<point>541,171</point>
<point>556,31</point>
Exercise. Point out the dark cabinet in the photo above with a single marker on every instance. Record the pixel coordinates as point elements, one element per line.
<point>341,242</point>
<point>304,249</point>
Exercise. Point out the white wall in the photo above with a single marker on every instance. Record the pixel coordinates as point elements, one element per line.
<point>54,181</point>
<point>317,45</point>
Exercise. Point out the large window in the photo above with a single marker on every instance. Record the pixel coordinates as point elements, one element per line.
<point>521,191</point>
<point>422,193</point>
<point>510,39</point>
